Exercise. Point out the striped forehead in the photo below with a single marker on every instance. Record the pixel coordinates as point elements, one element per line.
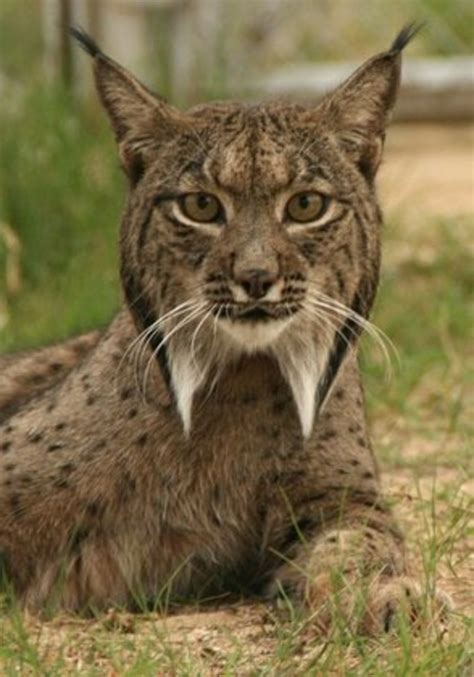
<point>251,156</point>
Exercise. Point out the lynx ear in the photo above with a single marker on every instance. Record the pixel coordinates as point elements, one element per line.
<point>140,120</point>
<point>359,109</point>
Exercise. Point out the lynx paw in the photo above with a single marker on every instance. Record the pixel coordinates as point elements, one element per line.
<point>371,609</point>
<point>387,600</point>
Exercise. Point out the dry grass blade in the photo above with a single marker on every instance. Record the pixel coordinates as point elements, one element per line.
<point>13,278</point>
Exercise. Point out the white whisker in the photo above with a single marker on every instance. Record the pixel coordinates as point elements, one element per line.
<point>192,315</point>
<point>330,305</point>
<point>195,334</point>
<point>323,315</point>
<point>328,328</point>
<point>150,329</point>
<point>157,326</point>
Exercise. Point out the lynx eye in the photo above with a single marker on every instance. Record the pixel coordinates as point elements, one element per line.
<point>201,207</point>
<point>306,207</point>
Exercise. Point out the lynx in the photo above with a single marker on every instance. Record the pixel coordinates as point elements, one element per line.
<point>213,438</point>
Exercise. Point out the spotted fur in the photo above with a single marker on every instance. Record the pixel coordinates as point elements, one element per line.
<point>188,449</point>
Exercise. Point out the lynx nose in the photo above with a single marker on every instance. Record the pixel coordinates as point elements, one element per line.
<point>256,281</point>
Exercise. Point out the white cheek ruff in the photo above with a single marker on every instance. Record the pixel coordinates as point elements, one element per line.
<point>186,379</point>
<point>301,360</point>
<point>302,370</point>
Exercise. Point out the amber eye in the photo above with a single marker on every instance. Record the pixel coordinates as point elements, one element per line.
<point>305,207</point>
<point>201,207</point>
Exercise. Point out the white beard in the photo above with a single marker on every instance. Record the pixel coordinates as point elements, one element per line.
<point>255,336</point>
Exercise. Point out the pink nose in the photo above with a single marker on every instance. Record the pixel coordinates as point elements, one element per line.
<point>256,281</point>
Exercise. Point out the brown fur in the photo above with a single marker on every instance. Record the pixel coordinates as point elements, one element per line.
<point>208,463</point>
<point>26,375</point>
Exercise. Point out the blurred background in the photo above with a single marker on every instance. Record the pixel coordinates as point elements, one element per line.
<point>61,191</point>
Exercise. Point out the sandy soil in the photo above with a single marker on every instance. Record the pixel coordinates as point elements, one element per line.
<point>428,172</point>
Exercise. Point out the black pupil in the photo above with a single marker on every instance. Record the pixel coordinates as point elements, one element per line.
<point>203,201</point>
<point>304,201</point>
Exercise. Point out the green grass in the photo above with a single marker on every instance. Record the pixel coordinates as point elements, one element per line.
<point>61,192</point>
<point>425,309</point>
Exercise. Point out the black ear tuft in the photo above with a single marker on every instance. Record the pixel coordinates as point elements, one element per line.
<point>406,34</point>
<point>85,41</point>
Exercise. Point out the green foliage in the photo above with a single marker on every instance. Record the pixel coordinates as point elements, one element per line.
<point>20,39</point>
<point>451,25</point>
<point>60,191</point>
<point>424,309</point>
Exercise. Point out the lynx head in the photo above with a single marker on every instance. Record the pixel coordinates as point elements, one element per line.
<point>251,227</point>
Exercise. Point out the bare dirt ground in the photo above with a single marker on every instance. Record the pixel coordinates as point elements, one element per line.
<point>428,173</point>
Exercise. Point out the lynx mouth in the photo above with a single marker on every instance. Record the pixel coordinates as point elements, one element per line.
<point>258,313</point>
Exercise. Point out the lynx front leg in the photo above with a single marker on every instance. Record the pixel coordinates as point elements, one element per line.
<point>354,570</point>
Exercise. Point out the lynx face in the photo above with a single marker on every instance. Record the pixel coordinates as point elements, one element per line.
<point>251,228</point>
<point>254,221</point>
<point>270,217</point>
